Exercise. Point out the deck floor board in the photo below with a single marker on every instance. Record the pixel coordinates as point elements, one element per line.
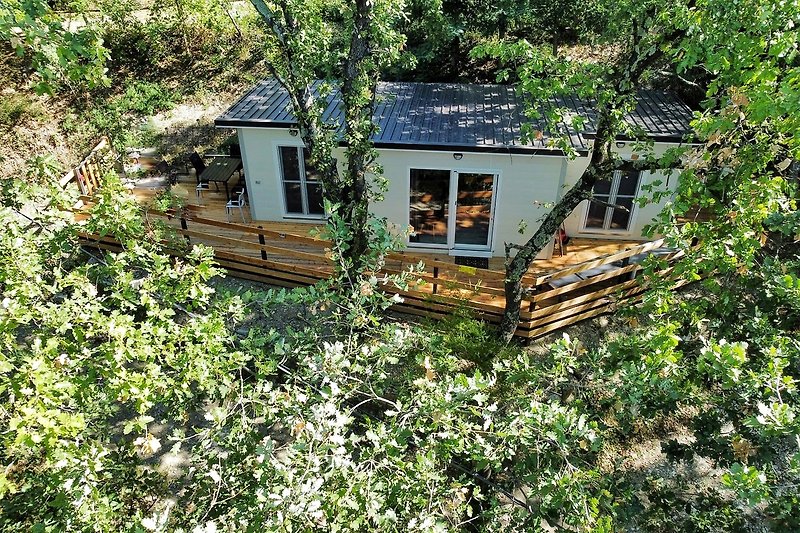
<point>212,205</point>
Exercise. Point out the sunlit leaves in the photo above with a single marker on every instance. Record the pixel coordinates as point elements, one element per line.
<point>62,52</point>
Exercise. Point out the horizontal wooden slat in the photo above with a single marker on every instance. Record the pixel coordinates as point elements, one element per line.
<point>411,258</point>
<point>600,261</point>
<point>454,302</point>
<point>545,309</point>
<point>313,258</point>
<point>288,237</point>
<point>267,272</point>
<point>273,265</point>
<point>572,311</point>
<point>574,319</point>
<point>628,298</point>
<point>546,295</point>
<point>446,282</point>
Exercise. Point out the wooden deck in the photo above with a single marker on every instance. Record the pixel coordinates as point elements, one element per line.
<point>212,206</point>
<point>593,277</point>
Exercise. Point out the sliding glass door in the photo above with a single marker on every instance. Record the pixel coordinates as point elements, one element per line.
<point>451,209</point>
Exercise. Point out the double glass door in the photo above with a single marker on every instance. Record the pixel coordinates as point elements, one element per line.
<point>451,209</point>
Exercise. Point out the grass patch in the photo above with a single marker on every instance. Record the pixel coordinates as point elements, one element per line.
<point>18,106</point>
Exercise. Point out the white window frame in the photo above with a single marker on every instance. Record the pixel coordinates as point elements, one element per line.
<point>451,246</point>
<point>612,199</point>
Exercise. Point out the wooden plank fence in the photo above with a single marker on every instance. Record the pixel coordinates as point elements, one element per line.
<point>553,300</point>
<point>88,173</point>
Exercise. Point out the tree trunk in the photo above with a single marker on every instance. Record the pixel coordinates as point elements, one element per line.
<point>518,266</point>
<point>622,85</point>
<point>600,167</point>
<point>359,129</point>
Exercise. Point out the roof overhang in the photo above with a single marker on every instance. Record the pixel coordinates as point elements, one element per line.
<point>424,147</point>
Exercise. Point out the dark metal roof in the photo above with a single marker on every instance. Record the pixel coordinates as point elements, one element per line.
<point>449,116</point>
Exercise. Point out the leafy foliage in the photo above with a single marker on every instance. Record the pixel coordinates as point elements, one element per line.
<point>143,392</point>
<point>60,54</point>
<point>306,410</point>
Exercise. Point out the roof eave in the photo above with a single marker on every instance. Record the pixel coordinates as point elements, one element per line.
<point>483,149</point>
<point>433,147</point>
<point>675,138</point>
<point>223,122</point>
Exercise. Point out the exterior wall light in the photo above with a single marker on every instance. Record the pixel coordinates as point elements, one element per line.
<point>293,132</point>
<point>457,156</point>
<point>620,144</point>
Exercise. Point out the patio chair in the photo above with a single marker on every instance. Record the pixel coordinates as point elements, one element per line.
<point>238,203</point>
<point>199,168</point>
<point>165,169</point>
<point>197,163</point>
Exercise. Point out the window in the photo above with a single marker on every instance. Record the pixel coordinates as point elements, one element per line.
<point>302,190</point>
<point>429,203</point>
<point>620,190</point>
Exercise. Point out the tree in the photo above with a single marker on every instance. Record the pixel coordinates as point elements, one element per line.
<point>660,37</point>
<point>613,89</point>
<point>347,44</point>
<point>59,54</point>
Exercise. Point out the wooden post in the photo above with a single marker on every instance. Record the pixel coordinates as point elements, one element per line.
<point>185,226</point>
<point>262,242</point>
<point>532,293</point>
<point>435,275</point>
<point>94,176</point>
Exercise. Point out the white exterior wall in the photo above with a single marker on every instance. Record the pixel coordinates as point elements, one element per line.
<point>262,171</point>
<point>641,216</point>
<point>524,183</point>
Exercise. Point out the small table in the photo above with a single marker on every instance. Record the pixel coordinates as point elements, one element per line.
<point>220,170</point>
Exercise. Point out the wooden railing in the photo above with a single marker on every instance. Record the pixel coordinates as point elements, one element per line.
<point>553,300</point>
<point>88,173</point>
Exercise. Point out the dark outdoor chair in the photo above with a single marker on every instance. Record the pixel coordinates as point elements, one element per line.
<point>165,169</point>
<point>200,167</point>
<point>197,163</point>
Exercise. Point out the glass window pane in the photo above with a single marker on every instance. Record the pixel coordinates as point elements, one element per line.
<point>620,218</point>
<point>311,173</point>
<point>428,204</point>
<point>628,181</point>
<point>596,214</point>
<point>602,187</point>
<point>294,199</point>
<point>290,165</point>
<point>473,210</point>
<point>314,195</point>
